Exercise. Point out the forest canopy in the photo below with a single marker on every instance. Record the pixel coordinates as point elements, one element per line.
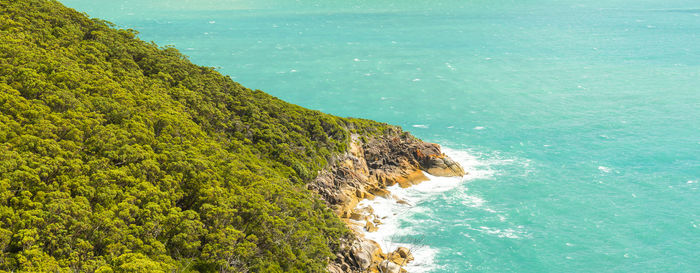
<point>117,155</point>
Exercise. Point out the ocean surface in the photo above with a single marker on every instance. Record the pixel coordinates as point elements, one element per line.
<point>578,120</point>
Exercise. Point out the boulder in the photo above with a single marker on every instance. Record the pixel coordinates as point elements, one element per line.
<point>401,256</point>
<point>433,161</point>
<point>370,227</point>
<point>403,202</point>
<point>389,267</point>
<point>364,252</point>
<point>444,167</point>
<point>404,252</point>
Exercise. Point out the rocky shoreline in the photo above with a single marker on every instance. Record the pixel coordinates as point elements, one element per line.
<point>364,172</point>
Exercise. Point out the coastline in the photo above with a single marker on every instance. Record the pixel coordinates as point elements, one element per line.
<point>364,187</point>
<point>403,202</point>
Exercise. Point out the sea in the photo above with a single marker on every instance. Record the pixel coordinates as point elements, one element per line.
<point>578,120</point>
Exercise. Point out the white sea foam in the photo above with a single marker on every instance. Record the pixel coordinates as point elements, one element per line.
<point>392,214</point>
<point>604,169</point>
<point>420,126</point>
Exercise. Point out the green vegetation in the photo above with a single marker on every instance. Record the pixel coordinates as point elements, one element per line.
<point>120,156</point>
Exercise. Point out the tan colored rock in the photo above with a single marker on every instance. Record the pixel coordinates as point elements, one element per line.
<point>366,253</point>
<point>416,177</point>
<point>389,267</point>
<point>403,202</point>
<point>404,252</point>
<point>363,172</point>
<point>357,216</point>
<point>381,192</point>
<point>370,227</point>
<point>401,256</point>
<point>334,268</point>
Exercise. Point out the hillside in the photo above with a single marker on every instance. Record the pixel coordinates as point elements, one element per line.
<point>117,155</point>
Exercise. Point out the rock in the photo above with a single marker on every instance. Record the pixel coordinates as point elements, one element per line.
<point>344,213</point>
<point>401,256</point>
<point>362,257</point>
<point>445,167</point>
<point>370,227</point>
<point>413,178</point>
<point>371,164</point>
<point>356,216</point>
<point>365,252</point>
<point>389,267</point>
<point>433,161</point>
<point>403,202</point>
<point>403,252</point>
<point>334,268</point>
<point>381,192</point>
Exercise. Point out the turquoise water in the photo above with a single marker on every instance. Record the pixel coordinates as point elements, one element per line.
<point>584,116</point>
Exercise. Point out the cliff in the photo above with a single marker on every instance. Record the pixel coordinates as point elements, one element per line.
<point>364,172</point>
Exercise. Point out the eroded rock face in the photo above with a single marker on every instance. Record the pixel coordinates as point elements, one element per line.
<point>364,172</point>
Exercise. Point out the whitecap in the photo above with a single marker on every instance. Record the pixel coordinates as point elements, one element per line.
<point>500,233</point>
<point>399,227</point>
<point>392,214</point>
<point>420,126</point>
<point>604,169</point>
<point>479,128</point>
<point>472,201</point>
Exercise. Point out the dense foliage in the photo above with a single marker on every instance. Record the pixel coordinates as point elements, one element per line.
<point>120,156</point>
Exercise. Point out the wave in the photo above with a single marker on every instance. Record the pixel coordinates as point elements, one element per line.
<point>394,211</point>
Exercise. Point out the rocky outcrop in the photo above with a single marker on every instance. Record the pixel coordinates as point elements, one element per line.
<point>364,172</point>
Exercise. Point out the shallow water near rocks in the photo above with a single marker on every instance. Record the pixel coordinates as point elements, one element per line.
<point>579,119</point>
